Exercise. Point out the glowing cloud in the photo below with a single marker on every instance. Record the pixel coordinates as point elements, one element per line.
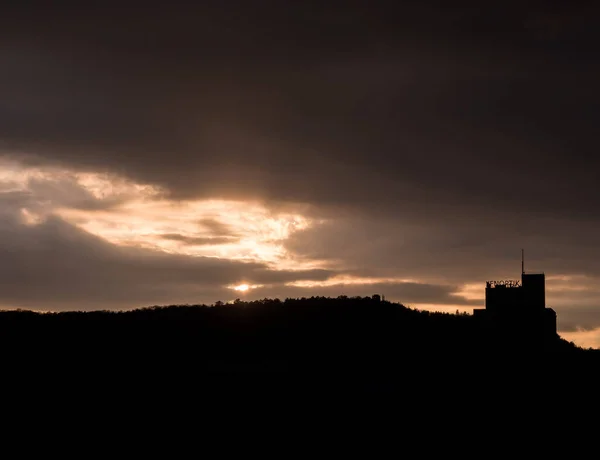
<point>256,233</point>
<point>126,213</point>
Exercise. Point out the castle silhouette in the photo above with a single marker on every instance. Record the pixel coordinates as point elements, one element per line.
<point>518,307</point>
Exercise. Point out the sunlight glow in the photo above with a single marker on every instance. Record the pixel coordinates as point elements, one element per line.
<point>30,218</point>
<point>245,287</point>
<point>582,337</point>
<point>442,308</point>
<point>472,291</point>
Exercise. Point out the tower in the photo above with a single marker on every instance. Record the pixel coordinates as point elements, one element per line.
<point>519,305</point>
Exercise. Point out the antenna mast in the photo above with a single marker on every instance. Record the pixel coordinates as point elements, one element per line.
<point>522,261</point>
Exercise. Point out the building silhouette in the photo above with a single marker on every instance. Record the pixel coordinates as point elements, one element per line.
<point>518,307</point>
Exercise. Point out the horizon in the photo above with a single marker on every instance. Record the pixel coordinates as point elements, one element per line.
<point>181,154</point>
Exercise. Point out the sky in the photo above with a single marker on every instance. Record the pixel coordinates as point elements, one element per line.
<point>158,153</point>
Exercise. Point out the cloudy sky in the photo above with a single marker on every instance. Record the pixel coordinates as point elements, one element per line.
<point>159,152</point>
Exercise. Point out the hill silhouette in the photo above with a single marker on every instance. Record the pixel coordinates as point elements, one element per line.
<point>317,333</point>
<point>175,358</point>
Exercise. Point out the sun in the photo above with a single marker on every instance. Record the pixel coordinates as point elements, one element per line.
<point>242,287</point>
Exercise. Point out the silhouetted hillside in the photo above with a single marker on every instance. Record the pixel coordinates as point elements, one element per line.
<point>314,349</point>
<point>296,334</point>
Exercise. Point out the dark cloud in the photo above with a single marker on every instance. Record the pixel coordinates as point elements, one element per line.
<point>459,250</point>
<point>385,107</point>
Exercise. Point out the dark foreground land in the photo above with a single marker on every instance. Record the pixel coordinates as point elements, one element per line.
<point>342,349</point>
<point>188,365</point>
<point>323,335</point>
